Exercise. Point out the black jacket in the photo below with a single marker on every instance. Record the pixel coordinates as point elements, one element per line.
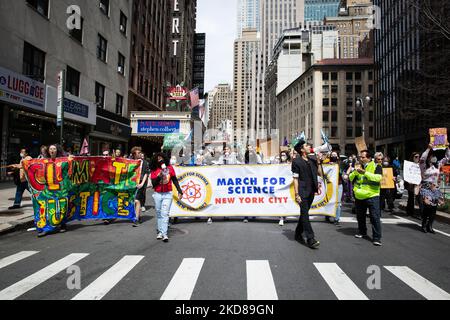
<point>299,167</point>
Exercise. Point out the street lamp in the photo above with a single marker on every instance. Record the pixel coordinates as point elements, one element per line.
<point>360,104</point>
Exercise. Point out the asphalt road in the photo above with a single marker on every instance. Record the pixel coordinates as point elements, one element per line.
<point>227,260</point>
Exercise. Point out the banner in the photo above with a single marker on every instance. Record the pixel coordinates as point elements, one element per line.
<point>438,137</point>
<point>173,140</point>
<point>387,182</point>
<point>246,190</point>
<point>412,173</point>
<point>82,188</point>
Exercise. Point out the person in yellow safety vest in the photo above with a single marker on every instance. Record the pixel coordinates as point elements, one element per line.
<point>366,179</point>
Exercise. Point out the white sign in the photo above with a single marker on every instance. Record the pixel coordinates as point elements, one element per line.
<point>246,190</point>
<point>175,27</point>
<point>20,90</point>
<point>412,173</point>
<point>60,99</point>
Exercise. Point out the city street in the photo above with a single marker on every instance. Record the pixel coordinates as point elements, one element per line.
<point>227,260</point>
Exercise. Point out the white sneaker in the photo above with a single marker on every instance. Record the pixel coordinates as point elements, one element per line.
<point>281,222</point>
<point>166,239</point>
<point>245,220</point>
<point>209,221</point>
<point>160,236</point>
<point>143,209</point>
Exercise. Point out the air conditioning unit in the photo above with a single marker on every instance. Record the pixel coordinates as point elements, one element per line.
<point>120,69</point>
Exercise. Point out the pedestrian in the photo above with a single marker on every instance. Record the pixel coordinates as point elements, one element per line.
<point>366,179</point>
<point>396,163</point>
<point>336,160</point>
<point>251,156</point>
<point>144,200</point>
<point>43,153</point>
<point>228,157</point>
<point>305,172</point>
<point>136,154</point>
<point>284,158</point>
<point>118,153</point>
<point>163,177</point>
<point>388,195</point>
<point>20,179</point>
<point>429,190</point>
<point>413,190</point>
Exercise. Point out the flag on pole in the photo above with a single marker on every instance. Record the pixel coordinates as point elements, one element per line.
<point>195,100</point>
<point>202,112</point>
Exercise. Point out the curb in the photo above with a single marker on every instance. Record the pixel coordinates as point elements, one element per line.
<point>440,216</point>
<point>21,225</point>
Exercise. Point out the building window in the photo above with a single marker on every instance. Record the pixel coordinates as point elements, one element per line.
<point>334,102</point>
<point>349,132</point>
<point>102,48</point>
<point>358,116</point>
<point>33,62</point>
<point>104,6</point>
<point>121,64</point>
<point>100,95</point>
<point>350,89</point>
<point>370,88</point>
<point>123,23</point>
<point>325,76</point>
<point>358,132</point>
<point>370,75</point>
<point>334,132</point>
<point>326,102</point>
<point>119,104</point>
<point>77,34</point>
<point>334,76</point>
<point>334,89</point>
<point>41,6</point>
<point>326,116</point>
<point>358,89</point>
<point>73,81</point>
<point>326,90</point>
<point>334,116</point>
<point>349,76</point>
<point>371,132</point>
<point>358,76</point>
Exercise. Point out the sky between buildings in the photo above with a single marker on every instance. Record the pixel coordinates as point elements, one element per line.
<point>218,18</point>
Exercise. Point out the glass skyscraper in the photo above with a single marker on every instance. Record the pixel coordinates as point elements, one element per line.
<point>316,10</point>
<point>248,15</point>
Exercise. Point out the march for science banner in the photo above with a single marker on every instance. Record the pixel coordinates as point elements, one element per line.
<point>82,188</point>
<point>251,190</point>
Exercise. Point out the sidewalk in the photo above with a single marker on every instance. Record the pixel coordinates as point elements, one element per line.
<point>12,220</point>
<point>440,216</point>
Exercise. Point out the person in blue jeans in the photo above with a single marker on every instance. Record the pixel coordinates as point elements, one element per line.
<point>19,179</point>
<point>163,176</point>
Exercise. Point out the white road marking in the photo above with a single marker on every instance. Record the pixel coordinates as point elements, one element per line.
<point>260,283</point>
<point>419,284</point>
<point>108,280</point>
<point>341,285</point>
<point>418,224</point>
<point>183,282</point>
<point>15,258</point>
<point>25,285</point>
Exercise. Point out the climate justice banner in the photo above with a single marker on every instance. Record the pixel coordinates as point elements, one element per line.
<point>255,191</point>
<point>82,188</point>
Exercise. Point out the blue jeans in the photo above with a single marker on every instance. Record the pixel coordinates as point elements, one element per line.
<point>19,192</point>
<point>163,202</point>
<point>339,201</point>
<point>373,204</point>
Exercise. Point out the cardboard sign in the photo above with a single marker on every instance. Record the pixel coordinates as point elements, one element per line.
<point>412,173</point>
<point>438,137</point>
<point>387,182</point>
<point>360,144</point>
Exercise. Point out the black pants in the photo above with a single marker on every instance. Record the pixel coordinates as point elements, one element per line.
<point>387,195</point>
<point>428,216</point>
<point>304,225</point>
<point>375,216</point>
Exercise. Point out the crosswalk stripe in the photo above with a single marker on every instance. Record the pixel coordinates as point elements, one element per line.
<point>341,285</point>
<point>108,280</point>
<point>15,258</point>
<point>419,284</point>
<point>260,283</point>
<point>25,285</point>
<point>183,282</point>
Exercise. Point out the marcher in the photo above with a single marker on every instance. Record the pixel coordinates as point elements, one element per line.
<point>413,190</point>
<point>305,172</point>
<point>285,158</point>
<point>136,154</point>
<point>388,195</point>
<point>251,157</point>
<point>366,179</point>
<point>19,179</point>
<point>429,190</point>
<point>163,176</point>
<point>118,153</point>
<point>44,153</point>
<point>228,157</point>
<point>336,160</point>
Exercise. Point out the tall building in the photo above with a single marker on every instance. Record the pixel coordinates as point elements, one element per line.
<point>249,15</point>
<point>324,97</point>
<point>248,72</point>
<point>354,25</point>
<point>319,9</point>
<point>220,104</point>
<point>95,58</point>
<point>199,63</point>
<point>412,59</point>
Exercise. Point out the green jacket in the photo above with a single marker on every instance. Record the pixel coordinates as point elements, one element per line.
<point>367,185</point>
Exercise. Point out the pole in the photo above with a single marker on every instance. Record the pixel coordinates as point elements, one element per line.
<point>60,105</point>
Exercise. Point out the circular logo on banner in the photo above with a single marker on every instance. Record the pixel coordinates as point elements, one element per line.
<point>197,191</point>
<point>323,196</point>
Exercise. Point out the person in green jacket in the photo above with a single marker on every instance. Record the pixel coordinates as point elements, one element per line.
<point>366,179</point>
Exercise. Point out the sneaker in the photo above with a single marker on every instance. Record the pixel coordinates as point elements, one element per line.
<point>160,236</point>
<point>106,222</point>
<point>14,207</point>
<point>337,223</point>
<point>135,223</point>
<point>313,244</point>
<point>377,243</point>
<point>42,234</point>
<point>245,220</point>
<point>360,236</point>
<point>209,221</point>
<point>281,222</point>
<point>166,239</point>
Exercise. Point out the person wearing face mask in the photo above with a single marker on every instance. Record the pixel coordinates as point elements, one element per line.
<point>413,190</point>
<point>335,160</point>
<point>19,179</point>
<point>136,154</point>
<point>388,195</point>
<point>429,189</point>
<point>228,157</point>
<point>163,176</point>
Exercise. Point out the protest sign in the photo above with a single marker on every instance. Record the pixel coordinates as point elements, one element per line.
<point>412,173</point>
<point>81,188</point>
<point>438,138</point>
<point>256,191</point>
<point>360,144</point>
<point>387,182</point>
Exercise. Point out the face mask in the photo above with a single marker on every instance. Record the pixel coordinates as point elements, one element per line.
<point>173,162</point>
<point>22,155</point>
<point>385,164</point>
<point>283,158</point>
<point>434,160</point>
<point>227,154</point>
